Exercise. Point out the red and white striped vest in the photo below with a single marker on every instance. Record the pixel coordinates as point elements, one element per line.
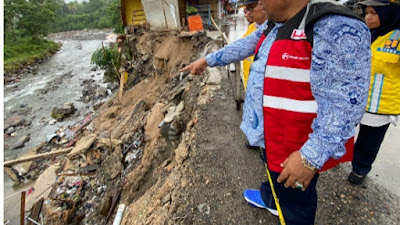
<point>288,103</point>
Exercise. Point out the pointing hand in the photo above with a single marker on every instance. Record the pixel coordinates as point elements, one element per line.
<point>196,67</point>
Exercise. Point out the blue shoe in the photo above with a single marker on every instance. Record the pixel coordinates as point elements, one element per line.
<point>253,197</point>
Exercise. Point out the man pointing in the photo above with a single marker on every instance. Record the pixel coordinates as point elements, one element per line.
<point>307,91</point>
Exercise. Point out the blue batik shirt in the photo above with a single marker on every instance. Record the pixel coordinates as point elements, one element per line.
<point>339,78</point>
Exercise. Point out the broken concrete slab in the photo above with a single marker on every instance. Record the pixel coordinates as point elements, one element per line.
<point>109,142</point>
<point>111,167</point>
<point>82,145</point>
<point>174,111</point>
<point>42,186</point>
<point>215,76</point>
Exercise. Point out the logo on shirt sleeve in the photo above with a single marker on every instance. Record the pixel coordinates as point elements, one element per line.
<point>390,47</point>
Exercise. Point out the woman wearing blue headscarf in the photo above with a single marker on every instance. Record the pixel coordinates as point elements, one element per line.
<point>383,19</point>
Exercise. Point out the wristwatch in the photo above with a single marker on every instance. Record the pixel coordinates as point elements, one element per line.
<point>307,164</point>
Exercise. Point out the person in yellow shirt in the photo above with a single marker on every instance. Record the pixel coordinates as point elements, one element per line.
<point>383,108</point>
<point>256,16</point>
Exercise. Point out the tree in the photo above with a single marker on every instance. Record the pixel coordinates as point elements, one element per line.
<point>35,17</point>
<point>10,12</point>
<point>30,17</point>
<point>114,15</point>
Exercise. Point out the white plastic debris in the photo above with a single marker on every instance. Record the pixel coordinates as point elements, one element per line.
<point>118,216</point>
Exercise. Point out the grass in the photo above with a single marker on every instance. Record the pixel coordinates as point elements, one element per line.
<point>25,51</point>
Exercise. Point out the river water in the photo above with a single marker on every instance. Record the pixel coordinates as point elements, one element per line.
<point>54,82</point>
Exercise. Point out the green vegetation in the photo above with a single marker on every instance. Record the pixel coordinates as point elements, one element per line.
<point>107,59</point>
<point>190,10</point>
<point>25,51</point>
<point>27,22</point>
<point>88,14</point>
<point>28,18</point>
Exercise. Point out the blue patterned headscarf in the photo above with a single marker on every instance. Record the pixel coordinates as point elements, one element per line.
<point>389,17</point>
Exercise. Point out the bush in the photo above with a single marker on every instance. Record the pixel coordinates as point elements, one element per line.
<point>107,59</point>
<point>190,10</point>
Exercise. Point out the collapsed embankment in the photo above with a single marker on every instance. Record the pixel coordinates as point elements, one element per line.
<point>134,149</point>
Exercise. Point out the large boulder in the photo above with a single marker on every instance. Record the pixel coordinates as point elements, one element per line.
<point>59,113</point>
<point>14,121</point>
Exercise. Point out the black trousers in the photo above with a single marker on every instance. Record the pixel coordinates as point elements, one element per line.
<point>367,147</point>
<point>298,207</point>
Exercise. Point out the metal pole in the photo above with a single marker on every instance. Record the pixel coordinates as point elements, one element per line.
<point>238,85</point>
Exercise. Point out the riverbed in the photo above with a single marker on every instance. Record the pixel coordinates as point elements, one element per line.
<point>40,88</point>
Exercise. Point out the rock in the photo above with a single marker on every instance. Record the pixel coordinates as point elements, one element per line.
<point>60,113</point>
<point>14,121</point>
<point>79,46</point>
<point>112,86</point>
<point>118,152</point>
<point>10,130</point>
<point>111,167</point>
<point>98,105</point>
<point>204,208</point>
<point>181,153</point>
<point>171,131</point>
<point>21,142</point>
<point>22,111</point>
<point>101,92</point>
<point>27,122</point>
<point>104,206</point>
<point>53,121</point>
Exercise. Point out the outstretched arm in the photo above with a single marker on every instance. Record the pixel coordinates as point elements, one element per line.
<point>234,52</point>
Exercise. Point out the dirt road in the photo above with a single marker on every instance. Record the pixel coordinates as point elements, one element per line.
<point>224,167</point>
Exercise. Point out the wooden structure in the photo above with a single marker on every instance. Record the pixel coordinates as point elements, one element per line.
<point>132,12</point>
<point>164,14</point>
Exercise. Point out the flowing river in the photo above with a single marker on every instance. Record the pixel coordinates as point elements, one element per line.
<point>50,84</point>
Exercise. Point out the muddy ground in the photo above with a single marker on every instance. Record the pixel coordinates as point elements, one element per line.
<point>182,165</point>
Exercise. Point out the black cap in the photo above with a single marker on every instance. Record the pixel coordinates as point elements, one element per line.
<point>248,2</point>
